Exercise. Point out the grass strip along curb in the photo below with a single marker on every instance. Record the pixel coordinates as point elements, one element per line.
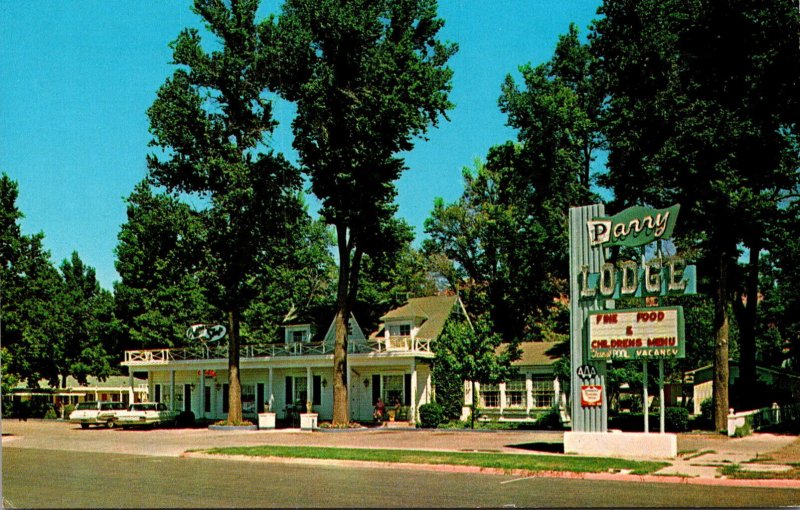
<point>506,461</point>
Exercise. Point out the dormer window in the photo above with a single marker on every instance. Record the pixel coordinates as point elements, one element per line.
<point>298,334</point>
<point>402,329</point>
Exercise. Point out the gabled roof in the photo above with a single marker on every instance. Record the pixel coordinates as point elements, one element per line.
<point>433,311</point>
<point>537,353</point>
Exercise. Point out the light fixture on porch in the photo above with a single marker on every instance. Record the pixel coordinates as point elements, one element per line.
<point>366,383</point>
<point>218,386</point>
<point>324,383</point>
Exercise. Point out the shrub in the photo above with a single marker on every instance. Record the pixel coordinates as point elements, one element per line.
<point>676,419</point>
<point>744,430</point>
<point>38,406</point>
<point>551,420</point>
<point>707,409</point>
<point>50,414</point>
<point>8,408</point>
<point>185,419</point>
<point>631,402</point>
<point>431,415</point>
<point>68,410</point>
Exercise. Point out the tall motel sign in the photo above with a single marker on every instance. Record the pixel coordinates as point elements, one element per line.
<point>601,334</point>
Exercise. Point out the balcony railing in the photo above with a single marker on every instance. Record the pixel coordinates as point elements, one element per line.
<point>398,344</point>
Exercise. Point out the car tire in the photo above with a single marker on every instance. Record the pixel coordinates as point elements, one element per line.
<point>110,424</point>
<point>84,425</point>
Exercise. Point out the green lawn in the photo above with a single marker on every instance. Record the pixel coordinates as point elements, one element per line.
<point>506,461</point>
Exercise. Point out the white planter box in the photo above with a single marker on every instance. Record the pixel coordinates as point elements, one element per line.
<point>266,420</point>
<point>308,421</point>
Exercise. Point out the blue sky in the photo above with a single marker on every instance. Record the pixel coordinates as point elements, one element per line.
<point>78,77</point>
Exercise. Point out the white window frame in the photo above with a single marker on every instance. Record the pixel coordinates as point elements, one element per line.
<point>396,329</point>
<point>520,390</point>
<point>486,390</point>
<point>304,330</point>
<point>539,393</point>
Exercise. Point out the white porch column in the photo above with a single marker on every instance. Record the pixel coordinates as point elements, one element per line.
<point>528,394</point>
<point>130,386</point>
<point>429,388</point>
<point>309,387</point>
<point>413,413</point>
<point>556,391</point>
<point>172,389</point>
<point>270,391</point>
<point>202,408</point>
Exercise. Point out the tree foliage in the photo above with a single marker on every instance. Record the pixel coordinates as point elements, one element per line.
<point>702,110</point>
<point>507,233</point>
<point>367,78</point>
<point>159,258</point>
<point>210,120</point>
<point>475,354</point>
<point>54,324</point>
<point>86,340</point>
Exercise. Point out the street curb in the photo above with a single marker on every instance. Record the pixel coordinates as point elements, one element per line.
<point>522,473</point>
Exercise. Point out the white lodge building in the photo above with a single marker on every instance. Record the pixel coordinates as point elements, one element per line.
<point>393,363</point>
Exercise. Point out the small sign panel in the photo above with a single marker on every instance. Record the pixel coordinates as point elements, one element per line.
<point>591,395</point>
<point>644,333</point>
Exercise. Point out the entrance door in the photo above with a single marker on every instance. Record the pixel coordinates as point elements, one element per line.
<point>187,397</point>
<point>207,402</point>
<point>260,398</point>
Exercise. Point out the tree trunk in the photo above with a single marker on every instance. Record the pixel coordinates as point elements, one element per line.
<point>341,407</point>
<point>746,385</point>
<point>234,385</point>
<point>721,326</point>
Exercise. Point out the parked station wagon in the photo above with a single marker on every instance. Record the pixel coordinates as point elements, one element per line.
<point>96,413</point>
<point>147,414</point>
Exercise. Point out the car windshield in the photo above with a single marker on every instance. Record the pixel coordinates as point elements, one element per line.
<point>86,405</point>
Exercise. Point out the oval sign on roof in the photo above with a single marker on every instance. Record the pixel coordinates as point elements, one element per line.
<point>206,332</point>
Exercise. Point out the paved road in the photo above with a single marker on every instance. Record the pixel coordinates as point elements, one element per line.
<point>52,478</point>
<point>56,464</point>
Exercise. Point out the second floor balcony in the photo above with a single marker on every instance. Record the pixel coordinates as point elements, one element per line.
<point>389,345</point>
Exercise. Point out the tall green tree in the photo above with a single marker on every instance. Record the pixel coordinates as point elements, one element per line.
<point>367,78</point>
<point>81,345</point>
<point>476,355</point>
<point>159,257</point>
<point>702,110</point>
<point>300,275</point>
<point>390,277</point>
<point>29,296</point>
<point>507,232</point>
<point>210,120</point>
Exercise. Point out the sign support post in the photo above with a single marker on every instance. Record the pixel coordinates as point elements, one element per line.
<point>646,402</point>
<point>582,255</point>
<point>661,393</point>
